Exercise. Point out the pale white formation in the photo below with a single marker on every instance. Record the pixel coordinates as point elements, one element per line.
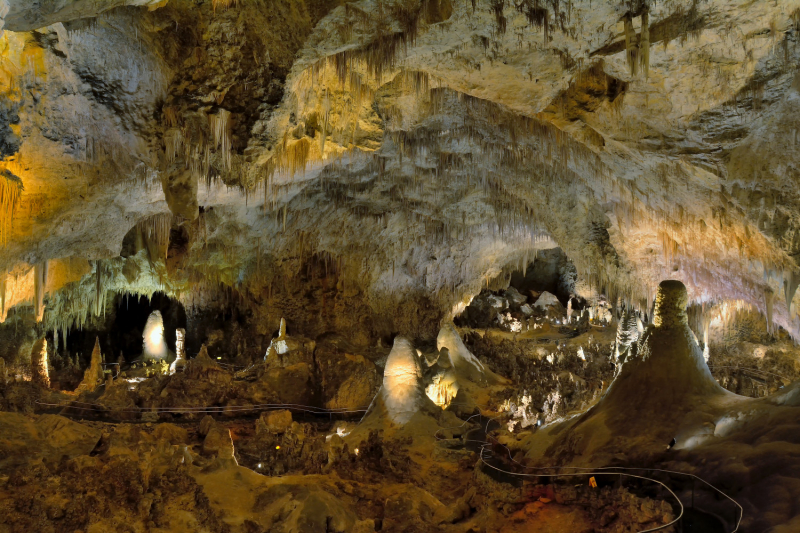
<point>39,367</point>
<point>154,345</point>
<point>521,412</point>
<point>278,345</point>
<point>464,363</point>
<point>402,389</point>
<point>627,334</point>
<point>545,300</point>
<point>180,351</point>
<point>581,354</point>
<point>443,387</point>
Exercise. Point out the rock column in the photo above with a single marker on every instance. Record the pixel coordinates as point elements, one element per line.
<point>39,371</point>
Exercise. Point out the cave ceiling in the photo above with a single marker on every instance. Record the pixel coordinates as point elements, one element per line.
<point>418,147</point>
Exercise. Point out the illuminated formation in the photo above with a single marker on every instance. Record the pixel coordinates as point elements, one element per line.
<point>464,363</point>
<point>39,371</point>
<point>443,387</point>
<point>179,363</point>
<point>93,376</point>
<point>154,345</point>
<point>669,365</point>
<point>402,388</point>
<point>628,331</point>
<point>278,345</point>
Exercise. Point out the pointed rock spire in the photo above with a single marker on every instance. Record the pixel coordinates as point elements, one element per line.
<point>39,371</point>
<point>94,374</point>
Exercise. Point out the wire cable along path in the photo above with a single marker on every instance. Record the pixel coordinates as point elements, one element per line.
<point>228,409</point>
<point>491,461</point>
<point>484,446</point>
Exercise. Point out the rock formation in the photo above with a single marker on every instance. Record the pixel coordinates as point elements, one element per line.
<point>179,363</point>
<point>154,346</point>
<point>93,376</point>
<point>402,391</point>
<point>627,335</point>
<point>202,365</point>
<point>462,360</point>
<point>443,386</point>
<point>669,370</point>
<point>660,386</point>
<point>40,373</point>
<point>278,344</point>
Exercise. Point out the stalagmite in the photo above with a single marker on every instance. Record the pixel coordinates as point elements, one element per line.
<point>180,354</point>
<point>202,365</point>
<point>271,356</point>
<point>444,383</point>
<point>627,335</point>
<point>278,344</point>
<point>94,374</point>
<point>465,364</point>
<point>668,371</point>
<point>154,346</point>
<point>402,387</point>
<point>40,374</point>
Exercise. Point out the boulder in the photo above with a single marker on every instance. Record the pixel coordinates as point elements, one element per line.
<point>347,380</point>
<point>277,421</point>
<point>49,437</point>
<point>218,442</point>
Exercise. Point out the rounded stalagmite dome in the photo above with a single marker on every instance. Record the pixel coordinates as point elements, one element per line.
<point>402,388</point>
<point>671,302</point>
<point>658,385</point>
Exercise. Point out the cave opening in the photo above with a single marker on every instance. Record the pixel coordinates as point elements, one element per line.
<point>132,315</point>
<point>122,332</point>
<point>514,295</point>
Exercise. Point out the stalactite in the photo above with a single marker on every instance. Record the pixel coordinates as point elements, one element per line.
<point>631,46</point>
<point>790,285</point>
<point>769,299</point>
<point>99,290</point>
<point>3,311</point>
<point>644,43</point>
<point>39,286</point>
<point>221,135</point>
